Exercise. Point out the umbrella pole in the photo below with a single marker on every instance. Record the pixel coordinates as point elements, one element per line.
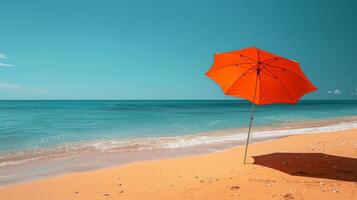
<point>251,114</point>
<point>250,126</point>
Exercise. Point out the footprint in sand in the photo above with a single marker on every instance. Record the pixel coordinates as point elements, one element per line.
<point>288,196</point>
<point>235,188</point>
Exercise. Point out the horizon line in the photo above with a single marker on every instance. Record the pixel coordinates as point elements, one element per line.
<point>161,100</point>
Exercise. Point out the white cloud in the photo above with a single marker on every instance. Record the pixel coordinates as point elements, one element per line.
<point>334,92</point>
<point>3,56</point>
<point>337,92</point>
<point>20,89</point>
<point>9,86</point>
<point>6,65</point>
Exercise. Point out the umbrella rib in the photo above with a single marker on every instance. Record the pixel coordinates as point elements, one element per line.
<point>258,74</point>
<point>285,70</point>
<point>239,78</point>
<point>270,59</point>
<point>260,87</point>
<point>241,55</point>
<point>271,75</point>
<point>237,65</point>
<point>260,81</point>
<point>283,85</point>
<point>251,64</point>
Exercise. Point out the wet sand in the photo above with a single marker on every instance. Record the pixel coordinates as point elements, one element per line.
<point>310,166</point>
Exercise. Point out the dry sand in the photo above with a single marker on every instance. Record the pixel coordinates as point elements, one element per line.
<point>315,166</point>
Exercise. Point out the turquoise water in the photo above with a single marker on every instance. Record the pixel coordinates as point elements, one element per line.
<point>45,138</point>
<point>31,125</point>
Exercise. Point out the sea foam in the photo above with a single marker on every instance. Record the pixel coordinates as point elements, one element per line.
<point>155,143</point>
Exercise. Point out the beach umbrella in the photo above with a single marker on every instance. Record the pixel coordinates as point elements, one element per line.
<point>260,77</point>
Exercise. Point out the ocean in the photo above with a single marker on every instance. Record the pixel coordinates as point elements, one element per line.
<point>34,131</point>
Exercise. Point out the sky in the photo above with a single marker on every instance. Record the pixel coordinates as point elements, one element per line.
<point>102,49</point>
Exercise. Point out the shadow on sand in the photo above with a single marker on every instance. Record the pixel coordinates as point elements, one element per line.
<point>316,165</point>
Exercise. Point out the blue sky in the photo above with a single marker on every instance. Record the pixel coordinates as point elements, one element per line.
<point>161,49</point>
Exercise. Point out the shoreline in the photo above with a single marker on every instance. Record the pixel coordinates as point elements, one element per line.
<point>90,161</point>
<point>219,175</point>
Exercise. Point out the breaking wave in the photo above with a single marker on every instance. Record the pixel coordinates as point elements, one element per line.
<point>213,137</point>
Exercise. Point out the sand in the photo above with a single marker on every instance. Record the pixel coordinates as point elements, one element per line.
<point>314,166</point>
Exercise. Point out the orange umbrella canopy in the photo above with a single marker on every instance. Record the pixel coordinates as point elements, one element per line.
<point>259,76</point>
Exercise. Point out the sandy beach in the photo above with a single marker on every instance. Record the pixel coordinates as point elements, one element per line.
<point>311,166</point>
<point>160,100</point>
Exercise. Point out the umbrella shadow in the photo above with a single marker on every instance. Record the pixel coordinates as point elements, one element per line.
<point>317,165</point>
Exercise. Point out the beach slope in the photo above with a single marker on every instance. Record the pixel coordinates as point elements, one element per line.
<point>312,166</point>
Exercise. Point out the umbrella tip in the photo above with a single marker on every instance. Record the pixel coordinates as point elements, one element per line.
<point>255,47</point>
